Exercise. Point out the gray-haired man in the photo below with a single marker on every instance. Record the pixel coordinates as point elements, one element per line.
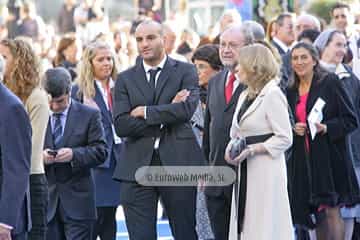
<point>223,91</point>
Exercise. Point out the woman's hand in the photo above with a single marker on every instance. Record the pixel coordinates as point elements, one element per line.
<point>321,128</point>
<point>227,151</point>
<point>300,128</point>
<point>243,155</point>
<point>236,161</point>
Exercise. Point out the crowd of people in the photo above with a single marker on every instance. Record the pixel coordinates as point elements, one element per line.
<point>85,106</point>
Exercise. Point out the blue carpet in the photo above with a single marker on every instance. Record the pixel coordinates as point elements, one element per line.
<point>163,230</point>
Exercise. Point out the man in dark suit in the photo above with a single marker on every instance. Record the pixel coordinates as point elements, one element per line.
<point>284,33</point>
<point>15,155</point>
<point>303,22</point>
<point>107,189</point>
<point>74,143</point>
<point>154,102</point>
<point>223,92</point>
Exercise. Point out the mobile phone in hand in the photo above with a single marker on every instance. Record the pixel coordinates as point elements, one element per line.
<point>52,152</point>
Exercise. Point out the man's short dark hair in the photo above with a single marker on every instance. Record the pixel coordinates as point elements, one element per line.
<point>280,19</point>
<point>57,82</point>
<point>339,5</point>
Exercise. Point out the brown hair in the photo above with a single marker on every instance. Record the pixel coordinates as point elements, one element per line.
<point>25,72</point>
<point>319,71</point>
<point>270,29</point>
<point>64,43</point>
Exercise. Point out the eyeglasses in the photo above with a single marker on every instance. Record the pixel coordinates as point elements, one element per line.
<point>202,67</point>
<point>230,45</point>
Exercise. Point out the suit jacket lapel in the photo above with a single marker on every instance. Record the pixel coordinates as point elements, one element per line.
<point>280,50</point>
<point>72,117</point>
<point>49,136</point>
<point>169,67</point>
<point>293,97</point>
<point>313,95</point>
<point>101,104</point>
<point>220,86</point>
<point>142,83</point>
<point>252,107</point>
<point>235,96</point>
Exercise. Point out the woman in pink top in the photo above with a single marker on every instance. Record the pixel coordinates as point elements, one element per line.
<point>300,114</point>
<point>320,172</point>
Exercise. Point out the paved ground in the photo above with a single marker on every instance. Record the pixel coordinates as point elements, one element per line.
<point>163,228</point>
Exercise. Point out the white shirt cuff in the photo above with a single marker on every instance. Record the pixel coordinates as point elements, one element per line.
<point>144,112</point>
<point>6,226</point>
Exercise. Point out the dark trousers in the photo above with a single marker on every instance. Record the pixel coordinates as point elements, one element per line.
<point>39,202</point>
<point>219,208</point>
<point>62,227</point>
<point>302,234</point>
<point>105,226</point>
<point>140,208</point>
<point>20,236</point>
<point>356,233</point>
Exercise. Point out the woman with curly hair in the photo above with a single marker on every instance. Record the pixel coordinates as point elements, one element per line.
<point>97,72</point>
<point>22,77</point>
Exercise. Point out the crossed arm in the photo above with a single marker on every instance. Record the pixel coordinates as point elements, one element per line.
<point>144,121</point>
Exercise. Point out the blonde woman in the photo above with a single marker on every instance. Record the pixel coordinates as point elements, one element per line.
<point>97,73</point>
<point>22,77</point>
<point>260,207</point>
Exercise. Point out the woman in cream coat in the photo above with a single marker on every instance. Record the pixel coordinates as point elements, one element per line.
<point>261,110</point>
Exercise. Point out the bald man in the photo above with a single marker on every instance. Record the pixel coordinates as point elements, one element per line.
<point>306,21</point>
<point>154,102</point>
<point>170,41</point>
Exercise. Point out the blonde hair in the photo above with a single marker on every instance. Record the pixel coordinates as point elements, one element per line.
<point>25,70</point>
<point>260,66</point>
<point>86,77</point>
<point>270,29</point>
<point>273,50</point>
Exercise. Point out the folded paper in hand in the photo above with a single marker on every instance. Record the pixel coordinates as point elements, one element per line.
<point>315,116</point>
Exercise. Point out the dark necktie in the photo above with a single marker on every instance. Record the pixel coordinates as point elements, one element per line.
<point>58,129</point>
<point>153,73</point>
<point>229,88</point>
